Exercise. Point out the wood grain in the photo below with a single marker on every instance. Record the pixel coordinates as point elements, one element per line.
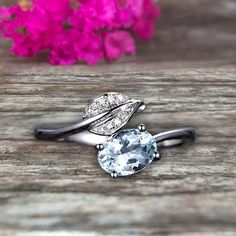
<point>187,77</point>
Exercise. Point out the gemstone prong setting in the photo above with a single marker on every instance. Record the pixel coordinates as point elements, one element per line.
<point>114,174</point>
<point>141,128</point>
<point>156,156</point>
<point>99,147</point>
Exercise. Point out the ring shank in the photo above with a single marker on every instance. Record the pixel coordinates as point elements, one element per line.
<point>79,134</point>
<point>58,133</point>
<point>79,130</point>
<point>175,137</point>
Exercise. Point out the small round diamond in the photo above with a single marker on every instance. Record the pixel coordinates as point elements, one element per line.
<point>122,115</point>
<point>127,152</point>
<point>105,102</point>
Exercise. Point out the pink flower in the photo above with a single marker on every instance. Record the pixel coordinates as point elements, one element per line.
<point>90,48</point>
<point>78,30</point>
<point>118,44</point>
<point>63,51</point>
<point>145,24</point>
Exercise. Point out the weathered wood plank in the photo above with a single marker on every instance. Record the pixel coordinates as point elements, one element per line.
<point>108,215</point>
<point>114,74</point>
<point>205,87</point>
<point>18,126</point>
<point>50,167</point>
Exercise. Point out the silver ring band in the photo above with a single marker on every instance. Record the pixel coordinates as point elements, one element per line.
<point>94,129</point>
<point>78,133</point>
<point>175,137</point>
<point>120,152</point>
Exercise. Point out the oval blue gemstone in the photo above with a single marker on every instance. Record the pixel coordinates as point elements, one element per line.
<point>127,152</point>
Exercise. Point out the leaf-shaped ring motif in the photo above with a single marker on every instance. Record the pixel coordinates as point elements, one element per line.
<point>105,115</point>
<point>120,109</point>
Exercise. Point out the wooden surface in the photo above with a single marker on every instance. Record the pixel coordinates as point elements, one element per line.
<point>187,77</point>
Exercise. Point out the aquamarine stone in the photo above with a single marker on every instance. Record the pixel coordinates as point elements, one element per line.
<point>127,152</point>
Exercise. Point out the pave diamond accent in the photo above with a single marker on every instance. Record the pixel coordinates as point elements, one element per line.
<point>104,103</point>
<point>113,121</point>
<point>127,152</point>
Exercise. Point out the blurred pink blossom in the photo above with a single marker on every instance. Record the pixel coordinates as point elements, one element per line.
<point>78,30</point>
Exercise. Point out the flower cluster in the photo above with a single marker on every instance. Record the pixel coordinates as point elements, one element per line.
<point>78,30</point>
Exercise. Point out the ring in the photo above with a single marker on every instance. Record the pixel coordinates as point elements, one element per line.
<point>120,152</point>
<point>102,117</point>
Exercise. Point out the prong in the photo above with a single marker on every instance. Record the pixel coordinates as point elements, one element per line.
<point>141,128</point>
<point>142,107</point>
<point>156,156</point>
<point>99,147</point>
<point>114,174</point>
